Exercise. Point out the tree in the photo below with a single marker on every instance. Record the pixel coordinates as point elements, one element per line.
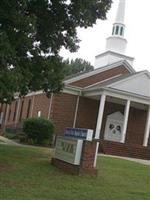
<point>77,66</point>
<point>32,32</point>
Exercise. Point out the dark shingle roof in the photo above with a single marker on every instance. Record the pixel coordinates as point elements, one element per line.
<point>113,80</point>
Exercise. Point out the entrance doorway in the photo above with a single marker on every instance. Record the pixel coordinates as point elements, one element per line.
<point>113,128</point>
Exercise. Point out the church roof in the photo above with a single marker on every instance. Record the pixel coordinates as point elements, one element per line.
<point>99,70</point>
<point>137,84</point>
<point>114,80</point>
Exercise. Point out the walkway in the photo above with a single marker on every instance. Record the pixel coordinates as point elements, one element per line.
<point>7,141</point>
<point>144,162</point>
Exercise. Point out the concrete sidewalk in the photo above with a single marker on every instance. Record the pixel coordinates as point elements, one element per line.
<point>7,141</point>
<point>144,162</point>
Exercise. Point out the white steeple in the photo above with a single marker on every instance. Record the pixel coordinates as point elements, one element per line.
<point>116,42</point>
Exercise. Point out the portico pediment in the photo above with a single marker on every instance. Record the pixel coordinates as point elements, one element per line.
<point>138,84</point>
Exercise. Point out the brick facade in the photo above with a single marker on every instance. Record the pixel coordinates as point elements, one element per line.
<point>41,103</point>
<point>136,126</point>
<point>63,111</point>
<point>24,108</point>
<point>87,113</point>
<point>63,114</point>
<point>125,150</point>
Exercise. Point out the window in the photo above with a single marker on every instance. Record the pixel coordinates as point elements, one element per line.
<point>121,31</point>
<point>4,116</point>
<point>20,117</point>
<point>14,117</point>
<point>39,113</point>
<point>9,114</point>
<point>117,30</point>
<point>113,30</point>
<point>28,109</point>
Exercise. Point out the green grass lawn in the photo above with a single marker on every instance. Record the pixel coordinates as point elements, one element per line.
<point>26,174</point>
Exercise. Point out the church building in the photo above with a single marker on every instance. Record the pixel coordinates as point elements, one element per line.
<point>113,100</point>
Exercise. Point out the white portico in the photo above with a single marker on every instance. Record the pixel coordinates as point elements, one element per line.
<point>129,91</point>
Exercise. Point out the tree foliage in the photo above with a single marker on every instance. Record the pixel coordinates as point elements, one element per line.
<point>77,66</point>
<point>32,32</point>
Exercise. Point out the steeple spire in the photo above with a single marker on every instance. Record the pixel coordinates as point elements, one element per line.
<point>116,42</point>
<point>121,12</point>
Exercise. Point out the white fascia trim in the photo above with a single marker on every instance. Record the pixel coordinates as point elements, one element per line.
<point>73,87</point>
<point>129,78</point>
<point>118,54</point>
<point>30,94</point>
<point>101,69</point>
<point>67,89</point>
<point>127,96</point>
<point>70,90</point>
<point>118,94</point>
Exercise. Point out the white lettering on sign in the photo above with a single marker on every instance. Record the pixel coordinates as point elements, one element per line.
<point>68,150</point>
<point>67,147</point>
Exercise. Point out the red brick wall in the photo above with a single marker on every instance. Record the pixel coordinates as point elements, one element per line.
<point>63,111</point>
<point>24,108</point>
<point>136,126</point>
<point>41,103</point>
<point>126,150</point>
<point>11,117</point>
<point>88,154</point>
<point>87,113</point>
<point>100,76</point>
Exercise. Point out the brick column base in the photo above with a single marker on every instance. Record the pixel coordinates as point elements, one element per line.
<point>86,167</point>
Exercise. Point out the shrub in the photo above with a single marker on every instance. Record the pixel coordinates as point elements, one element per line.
<point>38,130</point>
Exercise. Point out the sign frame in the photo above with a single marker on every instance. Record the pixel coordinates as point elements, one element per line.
<point>68,150</point>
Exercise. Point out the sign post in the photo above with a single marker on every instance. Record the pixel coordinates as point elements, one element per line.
<point>75,152</point>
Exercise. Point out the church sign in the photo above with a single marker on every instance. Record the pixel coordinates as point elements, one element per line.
<point>79,133</point>
<point>68,150</point>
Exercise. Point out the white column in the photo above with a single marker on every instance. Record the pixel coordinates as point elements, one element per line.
<point>147,129</point>
<point>99,124</point>
<point>76,112</point>
<point>50,106</point>
<point>32,106</point>
<point>100,116</point>
<point>125,123</point>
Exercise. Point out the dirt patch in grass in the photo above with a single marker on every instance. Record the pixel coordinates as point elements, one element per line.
<point>6,167</point>
<point>9,183</point>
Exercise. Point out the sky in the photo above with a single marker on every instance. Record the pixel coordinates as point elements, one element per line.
<point>137,33</point>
